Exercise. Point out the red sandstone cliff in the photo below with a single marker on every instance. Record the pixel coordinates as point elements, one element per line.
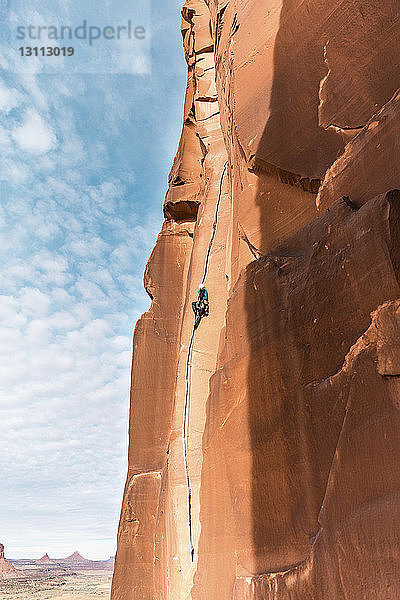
<point>264,445</point>
<point>6,568</point>
<point>45,559</point>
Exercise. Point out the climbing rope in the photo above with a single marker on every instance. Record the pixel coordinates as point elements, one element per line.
<point>186,437</point>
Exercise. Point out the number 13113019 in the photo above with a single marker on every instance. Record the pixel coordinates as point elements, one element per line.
<point>45,51</point>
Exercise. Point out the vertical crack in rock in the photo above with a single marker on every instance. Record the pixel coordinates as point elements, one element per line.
<point>243,236</point>
<point>214,231</point>
<point>321,92</point>
<point>188,376</point>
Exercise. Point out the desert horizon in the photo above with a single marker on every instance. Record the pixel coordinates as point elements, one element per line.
<point>52,557</point>
<point>199,300</point>
<point>71,578</point>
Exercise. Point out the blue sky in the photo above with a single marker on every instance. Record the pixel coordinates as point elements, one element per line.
<point>84,160</point>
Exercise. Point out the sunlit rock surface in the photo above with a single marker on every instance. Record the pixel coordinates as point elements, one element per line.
<point>6,568</point>
<point>264,446</point>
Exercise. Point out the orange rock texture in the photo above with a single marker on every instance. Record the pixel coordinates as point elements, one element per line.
<point>45,559</point>
<point>264,445</point>
<point>6,568</point>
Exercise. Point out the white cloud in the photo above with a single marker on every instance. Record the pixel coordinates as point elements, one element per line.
<point>9,98</point>
<point>33,90</point>
<point>33,302</point>
<point>4,140</point>
<point>35,134</point>
<point>15,172</point>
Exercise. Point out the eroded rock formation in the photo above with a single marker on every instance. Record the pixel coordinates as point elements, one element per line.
<point>6,568</point>
<point>45,559</point>
<point>264,445</point>
<point>77,560</point>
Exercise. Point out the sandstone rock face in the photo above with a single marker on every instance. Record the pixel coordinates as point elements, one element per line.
<point>264,445</point>
<point>45,559</point>
<point>74,559</point>
<point>6,568</point>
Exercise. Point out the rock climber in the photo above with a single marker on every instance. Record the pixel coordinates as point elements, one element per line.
<point>201,307</point>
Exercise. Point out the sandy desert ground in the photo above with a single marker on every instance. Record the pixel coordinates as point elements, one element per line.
<point>57,584</point>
